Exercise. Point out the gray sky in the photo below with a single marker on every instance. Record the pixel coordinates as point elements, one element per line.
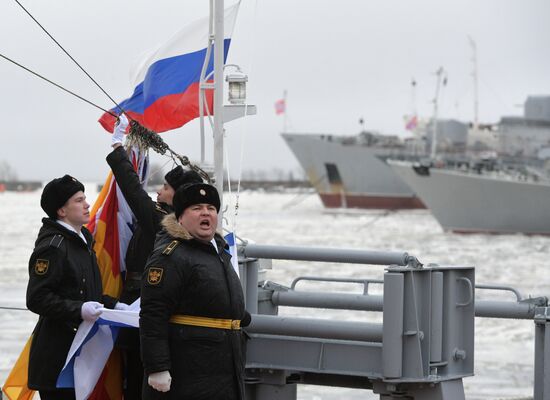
<point>338,60</point>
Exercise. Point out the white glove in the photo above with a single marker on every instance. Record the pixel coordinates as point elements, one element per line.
<point>91,310</point>
<point>120,130</point>
<point>121,306</point>
<point>160,381</point>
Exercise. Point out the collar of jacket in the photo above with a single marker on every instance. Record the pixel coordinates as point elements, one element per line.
<point>175,230</point>
<point>50,224</point>
<point>165,207</point>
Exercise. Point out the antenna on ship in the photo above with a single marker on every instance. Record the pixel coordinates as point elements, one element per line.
<point>441,78</point>
<point>475,79</point>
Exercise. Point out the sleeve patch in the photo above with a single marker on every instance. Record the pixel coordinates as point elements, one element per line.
<point>41,266</point>
<point>154,275</point>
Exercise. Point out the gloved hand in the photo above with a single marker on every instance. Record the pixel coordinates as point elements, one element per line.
<point>121,306</point>
<point>160,381</point>
<point>120,129</point>
<point>91,310</point>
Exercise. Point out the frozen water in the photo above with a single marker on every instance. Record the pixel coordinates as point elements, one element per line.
<point>504,348</point>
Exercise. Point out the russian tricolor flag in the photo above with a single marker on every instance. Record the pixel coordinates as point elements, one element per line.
<point>166,94</point>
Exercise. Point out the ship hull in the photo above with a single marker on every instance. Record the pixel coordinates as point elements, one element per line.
<point>350,175</point>
<point>474,203</point>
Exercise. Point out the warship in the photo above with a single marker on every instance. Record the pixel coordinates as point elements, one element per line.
<point>465,200</point>
<point>505,193</point>
<point>350,171</point>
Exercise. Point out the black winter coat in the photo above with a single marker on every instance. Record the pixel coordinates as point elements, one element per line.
<point>63,274</point>
<point>191,279</point>
<point>148,214</point>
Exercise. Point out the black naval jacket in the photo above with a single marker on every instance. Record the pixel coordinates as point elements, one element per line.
<point>63,274</point>
<point>148,214</point>
<point>187,276</point>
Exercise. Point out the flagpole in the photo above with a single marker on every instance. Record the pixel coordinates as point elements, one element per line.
<point>439,74</point>
<point>285,112</point>
<point>218,102</point>
<point>203,85</point>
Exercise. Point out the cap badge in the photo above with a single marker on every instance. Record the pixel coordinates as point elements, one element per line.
<point>202,192</point>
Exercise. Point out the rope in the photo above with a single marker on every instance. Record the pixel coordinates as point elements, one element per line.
<point>58,86</point>
<point>68,55</point>
<point>144,137</point>
<point>244,130</point>
<point>13,308</point>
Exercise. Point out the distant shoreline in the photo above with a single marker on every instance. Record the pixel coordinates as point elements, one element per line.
<point>264,185</point>
<point>20,186</point>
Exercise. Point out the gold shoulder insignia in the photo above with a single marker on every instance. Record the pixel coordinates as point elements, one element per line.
<point>170,248</point>
<point>154,275</point>
<point>41,266</point>
<point>160,209</point>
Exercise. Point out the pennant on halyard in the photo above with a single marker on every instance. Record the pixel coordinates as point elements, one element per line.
<point>166,83</point>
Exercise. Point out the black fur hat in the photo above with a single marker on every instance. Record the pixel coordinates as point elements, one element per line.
<point>178,177</point>
<point>195,193</point>
<point>57,192</point>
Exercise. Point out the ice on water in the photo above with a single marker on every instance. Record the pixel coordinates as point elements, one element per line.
<point>504,348</point>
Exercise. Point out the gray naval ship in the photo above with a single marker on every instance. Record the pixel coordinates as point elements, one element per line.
<point>508,194</point>
<point>350,171</point>
<point>477,201</point>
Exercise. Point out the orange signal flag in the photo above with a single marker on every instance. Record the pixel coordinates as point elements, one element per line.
<point>16,387</point>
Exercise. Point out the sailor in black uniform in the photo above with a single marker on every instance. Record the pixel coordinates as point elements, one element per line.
<point>64,284</point>
<point>192,306</point>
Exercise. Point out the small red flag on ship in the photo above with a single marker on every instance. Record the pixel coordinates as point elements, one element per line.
<point>280,106</point>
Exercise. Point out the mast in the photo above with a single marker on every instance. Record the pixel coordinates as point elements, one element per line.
<point>439,74</point>
<point>475,79</point>
<point>285,120</point>
<point>413,107</point>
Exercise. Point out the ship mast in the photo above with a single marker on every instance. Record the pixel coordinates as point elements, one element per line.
<point>475,79</point>
<point>440,73</point>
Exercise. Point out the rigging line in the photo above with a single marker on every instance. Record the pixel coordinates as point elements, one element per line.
<point>59,86</point>
<point>13,308</point>
<point>245,126</point>
<point>230,203</point>
<point>71,57</point>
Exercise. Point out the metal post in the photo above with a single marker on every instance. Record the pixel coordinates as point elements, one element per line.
<point>542,354</point>
<point>218,102</point>
<point>436,318</point>
<point>251,267</point>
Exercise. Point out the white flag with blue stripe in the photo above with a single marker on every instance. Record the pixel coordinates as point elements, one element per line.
<point>91,348</point>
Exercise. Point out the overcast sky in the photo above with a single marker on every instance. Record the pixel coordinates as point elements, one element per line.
<point>338,60</point>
